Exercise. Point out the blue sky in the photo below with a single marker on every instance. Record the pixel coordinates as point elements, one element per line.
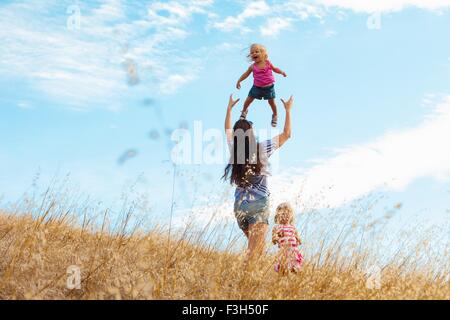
<point>371,81</point>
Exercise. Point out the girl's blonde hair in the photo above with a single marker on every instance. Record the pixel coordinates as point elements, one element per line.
<point>284,214</point>
<point>262,48</point>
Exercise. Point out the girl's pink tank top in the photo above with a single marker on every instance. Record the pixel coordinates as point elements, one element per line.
<point>263,77</point>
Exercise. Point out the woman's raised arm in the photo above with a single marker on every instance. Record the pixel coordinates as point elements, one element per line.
<point>228,125</point>
<point>286,134</point>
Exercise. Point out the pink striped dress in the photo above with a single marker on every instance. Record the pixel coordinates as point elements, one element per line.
<point>290,255</point>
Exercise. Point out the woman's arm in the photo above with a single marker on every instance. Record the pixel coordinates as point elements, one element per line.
<point>286,134</point>
<point>228,125</point>
<point>243,77</point>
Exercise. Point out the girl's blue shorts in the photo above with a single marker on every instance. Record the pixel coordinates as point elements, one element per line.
<point>260,93</point>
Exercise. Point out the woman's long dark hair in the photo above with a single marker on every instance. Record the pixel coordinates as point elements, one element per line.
<point>245,160</point>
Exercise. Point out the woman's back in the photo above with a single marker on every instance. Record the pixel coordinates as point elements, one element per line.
<point>256,184</point>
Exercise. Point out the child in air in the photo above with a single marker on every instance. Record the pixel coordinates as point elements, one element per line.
<point>285,235</point>
<point>263,85</point>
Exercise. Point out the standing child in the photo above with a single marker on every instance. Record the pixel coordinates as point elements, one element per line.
<point>286,236</point>
<point>263,85</point>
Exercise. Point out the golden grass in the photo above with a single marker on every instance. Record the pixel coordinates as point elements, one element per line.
<point>35,255</point>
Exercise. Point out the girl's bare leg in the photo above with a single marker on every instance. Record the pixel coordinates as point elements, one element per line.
<point>273,105</point>
<point>247,104</point>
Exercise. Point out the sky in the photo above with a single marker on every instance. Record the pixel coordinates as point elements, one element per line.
<point>97,90</point>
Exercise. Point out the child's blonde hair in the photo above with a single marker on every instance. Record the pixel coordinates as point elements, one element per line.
<point>284,214</point>
<point>262,48</point>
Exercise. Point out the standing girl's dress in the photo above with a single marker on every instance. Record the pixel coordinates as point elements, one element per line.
<point>289,255</point>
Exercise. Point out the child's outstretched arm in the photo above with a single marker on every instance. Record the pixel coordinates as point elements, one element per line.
<point>279,71</point>
<point>275,236</point>
<point>298,237</point>
<point>243,77</point>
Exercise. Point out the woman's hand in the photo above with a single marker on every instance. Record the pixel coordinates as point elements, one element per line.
<point>286,134</point>
<point>232,102</point>
<point>238,86</point>
<point>288,104</point>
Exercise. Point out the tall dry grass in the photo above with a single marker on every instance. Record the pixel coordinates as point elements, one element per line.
<point>122,262</point>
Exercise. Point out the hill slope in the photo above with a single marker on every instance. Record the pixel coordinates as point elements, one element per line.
<point>36,256</point>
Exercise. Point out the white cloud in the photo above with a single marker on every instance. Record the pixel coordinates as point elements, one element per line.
<point>175,81</point>
<point>173,13</point>
<point>84,68</point>
<point>275,25</point>
<point>301,10</point>
<point>70,68</point>
<point>330,33</point>
<point>390,162</point>
<point>110,10</point>
<point>26,105</point>
<point>252,10</point>
<point>281,15</point>
<point>370,6</point>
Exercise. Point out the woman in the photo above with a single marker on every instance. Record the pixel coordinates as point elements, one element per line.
<point>248,170</point>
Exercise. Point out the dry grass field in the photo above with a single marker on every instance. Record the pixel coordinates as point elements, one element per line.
<point>36,254</point>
